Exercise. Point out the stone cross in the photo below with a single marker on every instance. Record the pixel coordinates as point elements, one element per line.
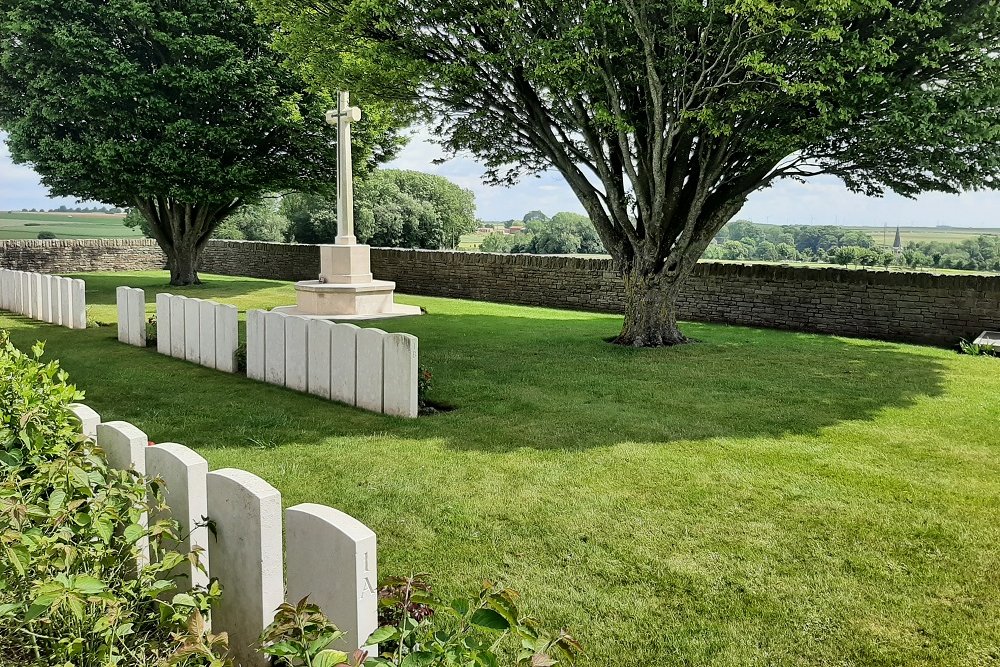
<point>342,118</point>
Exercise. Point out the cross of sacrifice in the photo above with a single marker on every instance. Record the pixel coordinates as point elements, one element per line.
<point>344,115</point>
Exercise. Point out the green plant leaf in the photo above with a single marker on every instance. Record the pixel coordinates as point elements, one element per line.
<point>385,633</point>
<point>417,659</point>
<point>57,500</point>
<point>88,585</point>
<point>490,620</point>
<point>133,533</point>
<point>329,658</point>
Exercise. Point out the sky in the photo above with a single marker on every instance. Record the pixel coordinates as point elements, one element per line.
<point>820,200</point>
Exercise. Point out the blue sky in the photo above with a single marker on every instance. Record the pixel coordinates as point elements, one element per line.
<point>818,201</point>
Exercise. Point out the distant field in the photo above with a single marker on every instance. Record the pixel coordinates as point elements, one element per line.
<point>17,225</point>
<point>920,234</point>
<point>470,241</point>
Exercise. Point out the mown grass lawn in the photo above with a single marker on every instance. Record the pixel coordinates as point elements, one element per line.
<point>757,498</point>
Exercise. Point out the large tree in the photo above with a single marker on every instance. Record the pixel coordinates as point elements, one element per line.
<point>664,115</point>
<point>179,109</point>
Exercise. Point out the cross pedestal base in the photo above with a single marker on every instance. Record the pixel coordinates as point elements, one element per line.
<point>346,290</point>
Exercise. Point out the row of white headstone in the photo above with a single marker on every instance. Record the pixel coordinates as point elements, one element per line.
<point>44,297</point>
<point>201,331</point>
<point>369,368</point>
<point>328,555</point>
<point>196,330</point>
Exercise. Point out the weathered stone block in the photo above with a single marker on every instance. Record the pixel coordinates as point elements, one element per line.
<point>370,369</point>
<point>178,329</point>
<point>227,337</point>
<point>246,559</point>
<point>274,348</point>
<point>332,559</point>
<point>184,474</point>
<point>163,329</point>
<point>400,373</point>
<point>256,345</point>
<point>343,363</point>
<point>206,333</point>
<point>296,353</point>
<point>319,354</point>
<point>192,330</point>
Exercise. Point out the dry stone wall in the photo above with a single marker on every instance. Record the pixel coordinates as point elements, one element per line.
<point>77,256</point>
<point>917,307</point>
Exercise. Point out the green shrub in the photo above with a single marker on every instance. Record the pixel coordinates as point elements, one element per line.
<point>418,629</point>
<point>46,235</point>
<point>72,591</point>
<point>975,349</point>
<point>151,331</point>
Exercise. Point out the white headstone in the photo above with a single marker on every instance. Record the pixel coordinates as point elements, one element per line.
<point>89,419</point>
<point>56,299</point>
<point>370,379</point>
<point>66,302</point>
<point>255,345</point>
<point>163,323</point>
<point>344,363</point>
<point>177,328</point>
<point>4,289</point>
<point>400,375</point>
<point>245,558</point>
<point>227,337</point>
<point>36,297</point>
<point>192,330</point>
<point>206,334</point>
<point>183,472</point>
<point>29,294</point>
<point>22,302</point>
<point>125,447</point>
<point>274,348</point>
<point>121,300</point>
<point>296,353</point>
<point>136,317</point>
<point>78,297</point>
<point>46,300</point>
<point>319,358</point>
<point>332,559</point>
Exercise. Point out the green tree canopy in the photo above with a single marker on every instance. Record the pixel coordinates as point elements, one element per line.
<point>665,115</point>
<point>392,208</point>
<point>179,109</point>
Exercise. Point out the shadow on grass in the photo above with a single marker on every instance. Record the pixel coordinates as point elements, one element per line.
<point>545,383</point>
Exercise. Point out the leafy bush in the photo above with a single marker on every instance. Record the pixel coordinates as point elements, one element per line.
<point>975,349</point>
<point>151,331</point>
<point>72,588</point>
<point>424,381</point>
<point>46,235</point>
<point>302,635</point>
<point>477,631</point>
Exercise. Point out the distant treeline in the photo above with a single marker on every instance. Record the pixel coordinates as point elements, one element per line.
<point>745,240</point>
<point>77,209</point>
<point>563,234</point>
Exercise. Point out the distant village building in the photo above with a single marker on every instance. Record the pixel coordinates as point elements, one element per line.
<point>897,245</point>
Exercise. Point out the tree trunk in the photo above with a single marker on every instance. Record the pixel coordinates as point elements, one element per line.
<point>651,310</point>
<point>183,261</point>
<point>182,231</point>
